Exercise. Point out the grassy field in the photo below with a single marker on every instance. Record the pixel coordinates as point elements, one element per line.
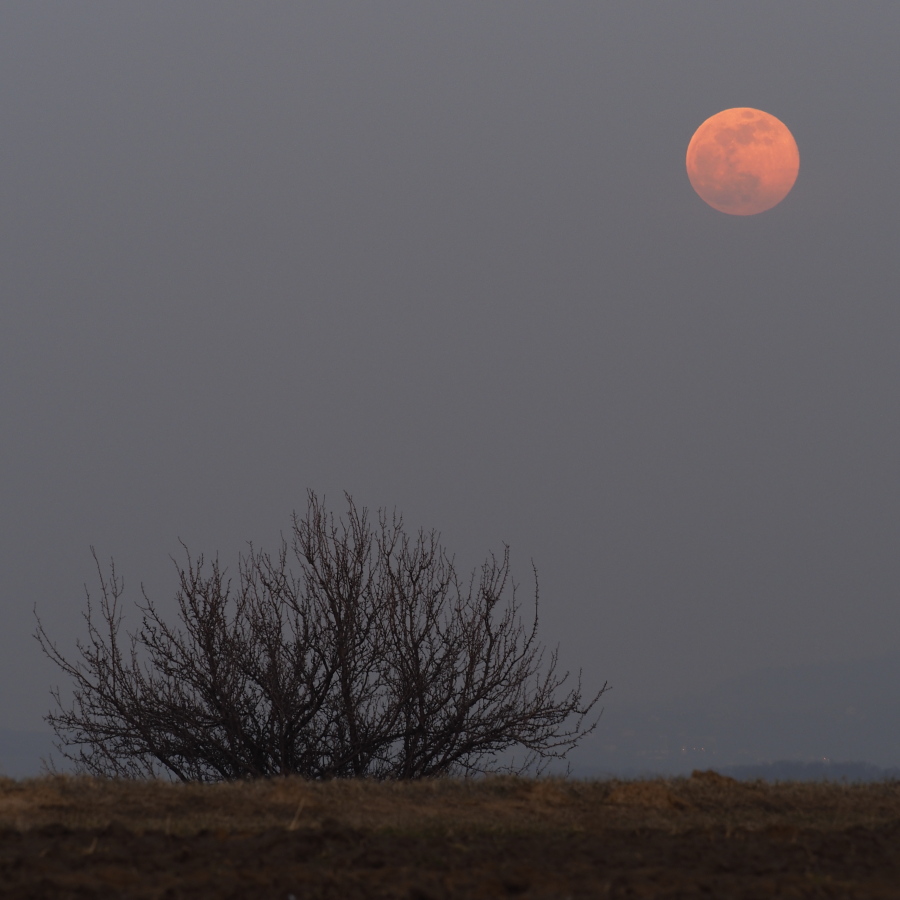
<point>699,836</point>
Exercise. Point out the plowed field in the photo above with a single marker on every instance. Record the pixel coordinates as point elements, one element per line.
<point>501,837</point>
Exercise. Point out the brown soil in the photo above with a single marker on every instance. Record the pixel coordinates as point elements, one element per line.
<point>702,836</point>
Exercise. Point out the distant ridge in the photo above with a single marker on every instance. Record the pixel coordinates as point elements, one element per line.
<point>798,770</point>
<point>22,752</point>
<point>803,714</point>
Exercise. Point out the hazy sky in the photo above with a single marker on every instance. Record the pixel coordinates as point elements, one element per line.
<point>446,257</point>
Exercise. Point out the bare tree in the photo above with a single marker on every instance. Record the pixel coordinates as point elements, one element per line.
<point>371,658</point>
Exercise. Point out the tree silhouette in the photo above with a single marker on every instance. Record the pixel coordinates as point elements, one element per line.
<point>371,657</point>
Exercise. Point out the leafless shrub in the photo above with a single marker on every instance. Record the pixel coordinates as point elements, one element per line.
<point>371,658</point>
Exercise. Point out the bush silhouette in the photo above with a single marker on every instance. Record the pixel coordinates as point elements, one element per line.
<point>371,657</point>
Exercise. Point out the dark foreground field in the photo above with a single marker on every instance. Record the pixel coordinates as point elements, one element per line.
<point>702,836</point>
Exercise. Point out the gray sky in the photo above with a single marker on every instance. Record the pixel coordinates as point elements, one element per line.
<point>446,257</point>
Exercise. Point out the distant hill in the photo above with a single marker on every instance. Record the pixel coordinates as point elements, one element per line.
<point>21,752</point>
<point>809,714</point>
<point>793,770</point>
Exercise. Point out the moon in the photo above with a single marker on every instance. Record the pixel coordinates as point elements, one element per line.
<point>743,161</point>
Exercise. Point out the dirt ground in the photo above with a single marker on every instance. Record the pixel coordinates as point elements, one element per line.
<point>704,836</point>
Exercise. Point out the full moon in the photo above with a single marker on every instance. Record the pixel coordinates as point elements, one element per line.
<point>743,161</point>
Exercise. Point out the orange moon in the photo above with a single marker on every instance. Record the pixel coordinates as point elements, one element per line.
<point>743,161</point>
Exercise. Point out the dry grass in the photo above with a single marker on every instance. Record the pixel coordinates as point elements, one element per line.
<point>446,806</point>
<point>535,839</point>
